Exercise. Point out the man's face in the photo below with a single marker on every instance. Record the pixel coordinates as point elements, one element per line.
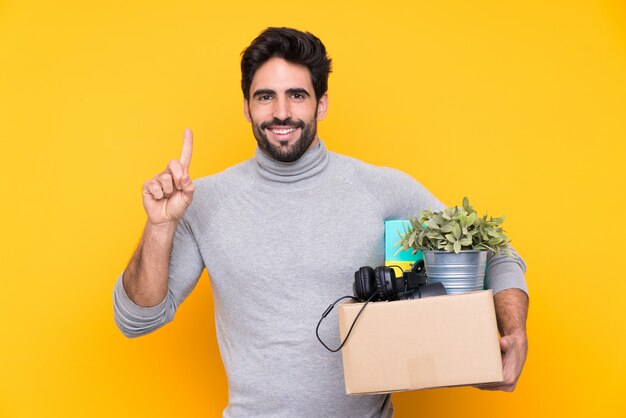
<point>283,109</point>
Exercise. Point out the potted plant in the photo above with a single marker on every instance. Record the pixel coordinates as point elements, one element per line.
<point>455,243</point>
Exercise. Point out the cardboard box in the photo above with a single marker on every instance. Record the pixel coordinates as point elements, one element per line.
<point>422,343</point>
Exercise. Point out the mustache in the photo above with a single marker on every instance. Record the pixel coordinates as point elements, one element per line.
<point>283,122</point>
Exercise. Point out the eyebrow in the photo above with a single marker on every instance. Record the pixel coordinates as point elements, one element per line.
<point>262,92</point>
<point>298,90</point>
<point>294,90</point>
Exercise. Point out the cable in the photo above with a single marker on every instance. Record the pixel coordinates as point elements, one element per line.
<point>330,308</point>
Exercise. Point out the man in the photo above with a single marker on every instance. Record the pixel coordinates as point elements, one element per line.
<point>281,235</point>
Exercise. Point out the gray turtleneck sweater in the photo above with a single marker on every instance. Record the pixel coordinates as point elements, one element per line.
<point>281,241</point>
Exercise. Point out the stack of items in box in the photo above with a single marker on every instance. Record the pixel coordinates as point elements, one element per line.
<point>422,343</point>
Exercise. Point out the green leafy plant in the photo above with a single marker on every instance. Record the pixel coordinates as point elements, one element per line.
<point>454,230</point>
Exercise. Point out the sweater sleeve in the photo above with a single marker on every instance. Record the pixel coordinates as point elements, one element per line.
<point>185,268</point>
<point>410,196</point>
<point>504,272</point>
<point>398,195</point>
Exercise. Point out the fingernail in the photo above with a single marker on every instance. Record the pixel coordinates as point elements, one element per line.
<point>186,179</point>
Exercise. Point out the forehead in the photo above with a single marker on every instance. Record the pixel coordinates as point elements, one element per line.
<point>279,75</point>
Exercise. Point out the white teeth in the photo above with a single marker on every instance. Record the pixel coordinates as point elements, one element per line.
<point>283,131</point>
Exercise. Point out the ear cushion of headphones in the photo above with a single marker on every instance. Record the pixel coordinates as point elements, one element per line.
<point>364,283</point>
<point>385,283</point>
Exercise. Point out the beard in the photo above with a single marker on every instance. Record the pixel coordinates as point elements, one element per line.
<point>285,152</point>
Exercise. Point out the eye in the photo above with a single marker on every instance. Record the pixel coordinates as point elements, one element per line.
<point>264,98</point>
<point>297,97</point>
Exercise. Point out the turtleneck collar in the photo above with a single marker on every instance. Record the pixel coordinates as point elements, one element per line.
<point>313,162</point>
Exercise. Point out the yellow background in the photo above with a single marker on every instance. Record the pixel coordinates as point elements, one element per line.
<point>519,105</point>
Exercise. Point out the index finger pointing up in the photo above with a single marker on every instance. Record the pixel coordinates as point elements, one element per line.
<point>185,154</point>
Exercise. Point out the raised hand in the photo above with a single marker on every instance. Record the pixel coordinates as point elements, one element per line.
<point>167,195</point>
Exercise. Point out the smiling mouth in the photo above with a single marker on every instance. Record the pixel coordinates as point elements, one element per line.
<point>281,131</point>
<point>283,134</point>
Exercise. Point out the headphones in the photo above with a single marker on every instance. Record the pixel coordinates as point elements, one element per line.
<point>381,283</point>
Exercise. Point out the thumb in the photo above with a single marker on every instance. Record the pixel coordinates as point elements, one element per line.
<point>504,344</point>
<point>188,189</point>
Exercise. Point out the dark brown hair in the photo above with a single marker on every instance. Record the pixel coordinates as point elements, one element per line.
<point>292,45</point>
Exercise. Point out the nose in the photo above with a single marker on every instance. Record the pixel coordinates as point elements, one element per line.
<point>282,108</point>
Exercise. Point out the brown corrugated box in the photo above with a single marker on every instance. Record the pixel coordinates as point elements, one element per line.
<point>422,343</point>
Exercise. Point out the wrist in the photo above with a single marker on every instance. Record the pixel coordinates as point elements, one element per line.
<point>161,228</point>
<point>159,235</point>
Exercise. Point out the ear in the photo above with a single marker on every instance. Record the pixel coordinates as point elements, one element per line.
<point>246,110</point>
<point>322,107</point>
